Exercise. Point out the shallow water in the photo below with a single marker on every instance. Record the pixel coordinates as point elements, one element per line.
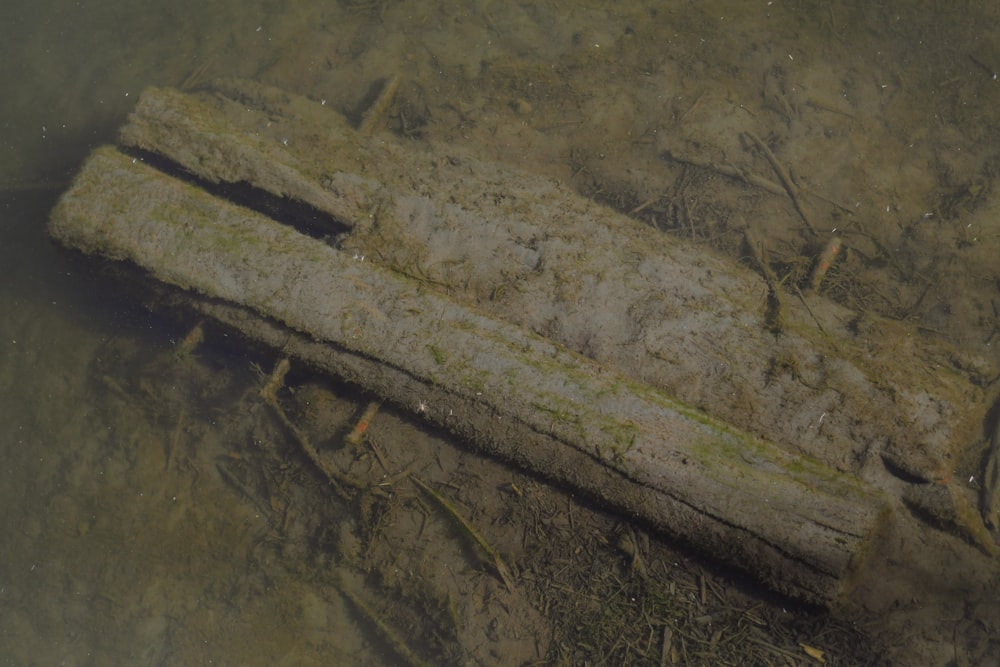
<point>152,510</point>
<point>120,546</point>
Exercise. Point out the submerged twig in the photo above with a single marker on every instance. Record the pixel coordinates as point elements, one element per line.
<point>729,170</point>
<point>175,439</point>
<point>376,112</point>
<point>494,555</point>
<point>786,179</point>
<point>775,305</point>
<point>805,303</point>
<point>270,395</point>
<point>387,633</point>
<point>990,495</point>
<point>986,68</point>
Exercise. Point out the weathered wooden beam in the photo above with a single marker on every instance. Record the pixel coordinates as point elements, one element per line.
<point>797,524</point>
<point>844,388</point>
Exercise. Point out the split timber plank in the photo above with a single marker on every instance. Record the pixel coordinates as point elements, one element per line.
<point>798,525</point>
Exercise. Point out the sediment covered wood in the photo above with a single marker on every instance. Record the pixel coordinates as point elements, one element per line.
<point>797,524</point>
<point>844,388</point>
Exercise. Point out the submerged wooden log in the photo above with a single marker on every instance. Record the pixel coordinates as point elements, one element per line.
<point>536,325</point>
<point>844,388</point>
<point>788,519</point>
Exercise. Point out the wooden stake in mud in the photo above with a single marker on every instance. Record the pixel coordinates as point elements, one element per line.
<point>358,432</point>
<point>823,263</point>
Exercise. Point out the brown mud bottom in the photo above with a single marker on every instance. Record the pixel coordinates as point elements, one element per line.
<point>553,333</point>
